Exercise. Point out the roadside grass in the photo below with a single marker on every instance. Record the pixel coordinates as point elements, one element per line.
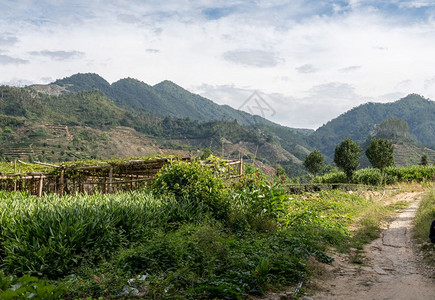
<point>424,217</point>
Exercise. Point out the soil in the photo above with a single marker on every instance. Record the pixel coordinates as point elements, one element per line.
<point>392,267</point>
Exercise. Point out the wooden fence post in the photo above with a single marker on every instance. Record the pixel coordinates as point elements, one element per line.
<point>61,181</point>
<point>110,179</point>
<point>241,167</point>
<point>41,182</point>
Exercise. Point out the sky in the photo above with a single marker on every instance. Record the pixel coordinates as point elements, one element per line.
<point>299,63</point>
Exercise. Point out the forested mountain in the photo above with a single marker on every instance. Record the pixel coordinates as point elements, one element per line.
<point>84,116</point>
<point>163,99</point>
<point>88,124</point>
<point>359,123</point>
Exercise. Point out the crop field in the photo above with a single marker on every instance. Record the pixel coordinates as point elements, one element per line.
<point>191,235</point>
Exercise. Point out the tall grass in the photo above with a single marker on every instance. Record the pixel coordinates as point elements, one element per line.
<point>50,235</point>
<point>424,217</point>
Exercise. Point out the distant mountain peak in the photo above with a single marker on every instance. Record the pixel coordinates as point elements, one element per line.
<point>168,84</point>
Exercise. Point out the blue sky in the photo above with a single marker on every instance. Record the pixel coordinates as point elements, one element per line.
<point>309,60</point>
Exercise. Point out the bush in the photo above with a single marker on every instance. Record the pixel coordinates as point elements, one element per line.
<point>368,176</point>
<point>254,201</point>
<point>335,177</point>
<point>413,173</point>
<point>196,184</point>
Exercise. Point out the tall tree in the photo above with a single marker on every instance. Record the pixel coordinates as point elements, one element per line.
<point>314,162</point>
<point>346,157</point>
<point>380,153</point>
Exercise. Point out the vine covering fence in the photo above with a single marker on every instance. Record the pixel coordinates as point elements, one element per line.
<point>103,178</point>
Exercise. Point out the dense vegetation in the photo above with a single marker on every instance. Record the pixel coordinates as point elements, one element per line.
<point>191,235</point>
<point>375,177</point>
<point>164,99</point>
<point>359,122</point>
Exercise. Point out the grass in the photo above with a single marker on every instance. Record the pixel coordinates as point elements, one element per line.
<point>424,217</point>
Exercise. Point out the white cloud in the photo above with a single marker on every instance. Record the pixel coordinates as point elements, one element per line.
<point>307,68</point>
<point>9,60</point>
<point>314,59</point>
<point>254,58</point>
<point>59,54</point>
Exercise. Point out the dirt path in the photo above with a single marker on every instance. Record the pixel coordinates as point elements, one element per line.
<point>390,270</point>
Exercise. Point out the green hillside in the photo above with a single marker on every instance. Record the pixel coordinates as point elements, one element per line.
<point>163,99</point>
<point>84,116</point>
<point>87,124</point>
<point>359,123</point>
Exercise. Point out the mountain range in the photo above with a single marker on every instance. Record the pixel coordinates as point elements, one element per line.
<point>84,116</point>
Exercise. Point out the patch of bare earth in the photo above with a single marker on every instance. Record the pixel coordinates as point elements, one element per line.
<point>392,268</point>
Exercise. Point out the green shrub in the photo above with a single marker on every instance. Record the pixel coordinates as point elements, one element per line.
<point>334,177</point>
<point>368,176</point>
<point>196,184</point>
<point>413,173</point>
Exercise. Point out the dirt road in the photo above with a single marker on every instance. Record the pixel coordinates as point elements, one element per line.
<point>390,270</point>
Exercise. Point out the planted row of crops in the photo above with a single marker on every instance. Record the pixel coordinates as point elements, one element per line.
<point>191,235</point>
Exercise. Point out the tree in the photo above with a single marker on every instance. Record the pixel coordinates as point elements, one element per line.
<point>346,157</point>
<point>424,160</point>
<point>380,153</point>
<point>314,162</point>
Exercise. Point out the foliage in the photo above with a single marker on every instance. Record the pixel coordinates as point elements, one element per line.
<point>164,99</point>
<point>412,173</point>
<point>391,175</point>
<point>346,157</point>
<point>360,121</point>
<point>193,183</point>
<point>424,217</point>
<point>380,153</point>
<point>314,162</point>
<point>28,287</point>
<point>51,235</point>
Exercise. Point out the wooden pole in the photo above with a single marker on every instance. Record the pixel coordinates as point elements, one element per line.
<point>61,182</point>
<point>15,166</point>
<point>41,182</point>
<point>110,179</point>
<point>241,167</point>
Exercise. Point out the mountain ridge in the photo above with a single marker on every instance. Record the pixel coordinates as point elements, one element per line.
<point>170,117</point>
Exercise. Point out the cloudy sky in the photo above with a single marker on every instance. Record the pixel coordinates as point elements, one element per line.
<point>308,60</point>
